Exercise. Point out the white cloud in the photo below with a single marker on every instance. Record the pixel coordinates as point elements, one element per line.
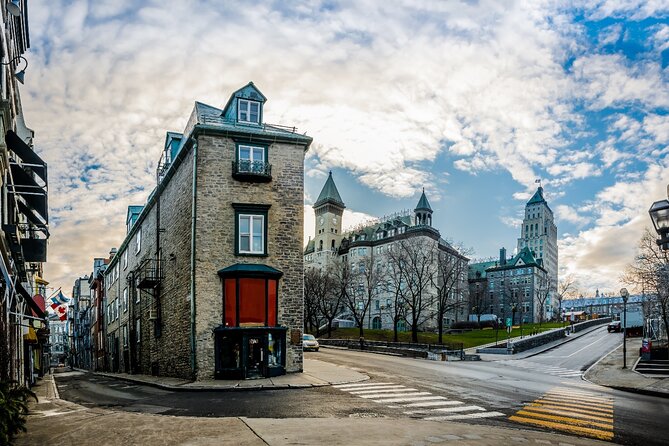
<point>569,214</point>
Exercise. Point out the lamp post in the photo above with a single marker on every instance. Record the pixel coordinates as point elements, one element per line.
<point>624,294</point>
<point>659,214</point>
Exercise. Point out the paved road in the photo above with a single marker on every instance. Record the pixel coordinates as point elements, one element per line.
<point>543,392</point>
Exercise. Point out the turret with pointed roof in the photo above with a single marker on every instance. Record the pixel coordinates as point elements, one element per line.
<point>423,211</point>
<point>329,209</point>
<point>329,194</point>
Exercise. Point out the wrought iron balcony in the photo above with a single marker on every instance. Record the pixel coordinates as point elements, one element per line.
<point>256,171</point>
<point>148,274</point>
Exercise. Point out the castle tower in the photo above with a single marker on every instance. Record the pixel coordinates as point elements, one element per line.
<point>423,211</point>
<point>539,234</point>
<point>329,209</point>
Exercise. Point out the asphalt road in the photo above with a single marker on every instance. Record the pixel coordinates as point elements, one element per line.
<point>487,392</point>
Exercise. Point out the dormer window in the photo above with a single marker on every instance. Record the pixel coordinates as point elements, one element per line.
<point>248,111</point>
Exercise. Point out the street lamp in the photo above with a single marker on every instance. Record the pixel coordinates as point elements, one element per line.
<point>659,214</point>
<point>624,294</point>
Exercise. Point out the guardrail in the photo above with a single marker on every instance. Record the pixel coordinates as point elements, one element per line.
<point>431,351</point>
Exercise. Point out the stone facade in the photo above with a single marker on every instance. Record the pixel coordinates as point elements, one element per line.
<point>177,297</point>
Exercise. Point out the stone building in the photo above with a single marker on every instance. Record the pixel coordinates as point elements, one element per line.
<point>538,233</point>
<point>208,281</point>
<point>370,244</point>
<point>24,213</point>
<point>98,312</point>
<point>517,288</point>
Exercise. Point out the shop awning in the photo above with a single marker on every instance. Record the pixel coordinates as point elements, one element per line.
<point>29,300</point>
<point>33,194</point>
<point>250,270</point>
<point>27,155</point>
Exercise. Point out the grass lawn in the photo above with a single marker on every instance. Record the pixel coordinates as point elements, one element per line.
<point>468,339</point>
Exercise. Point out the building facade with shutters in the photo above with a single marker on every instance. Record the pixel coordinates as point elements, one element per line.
<point>208,282</point>
<point>24,214</point>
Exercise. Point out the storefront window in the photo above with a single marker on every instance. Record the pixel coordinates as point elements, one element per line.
<point>251,302</point>
<point>230,302</point>
<point>274,348</point>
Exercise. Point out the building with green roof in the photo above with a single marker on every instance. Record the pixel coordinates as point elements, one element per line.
<point>370,244</point>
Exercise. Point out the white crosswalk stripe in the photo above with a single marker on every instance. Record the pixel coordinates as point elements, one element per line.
<point>416,403</point>
<point>543,368</point>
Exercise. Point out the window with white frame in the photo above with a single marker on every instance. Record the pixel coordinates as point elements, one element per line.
<point>137,295</point>
<point>248,111</point>
<point>125,335</point>
<point>138,241</point>
<point>125,259</point>
<point>125,300</point>
<point>251,158</point>
<point>251,234</point>
<point>137,327</point>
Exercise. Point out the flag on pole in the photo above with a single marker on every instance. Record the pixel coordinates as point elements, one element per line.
<point>59,299</point>
<point>61,312</point>
<point>538,180</point>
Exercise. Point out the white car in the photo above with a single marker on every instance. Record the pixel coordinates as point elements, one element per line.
<point>309,342</point>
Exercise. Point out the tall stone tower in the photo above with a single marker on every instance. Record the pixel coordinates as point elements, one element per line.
<point>329,209</point>
<point>539,234</point>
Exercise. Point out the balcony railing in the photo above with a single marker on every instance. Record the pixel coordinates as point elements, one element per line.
<point>148,274</point>
<point>247,170</point>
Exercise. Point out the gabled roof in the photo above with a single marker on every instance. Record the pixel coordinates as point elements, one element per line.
<point>538,196</point>
<point>478,270</point>
<point>329,194</point>
<point>423,204</point>
<point>248,90</point>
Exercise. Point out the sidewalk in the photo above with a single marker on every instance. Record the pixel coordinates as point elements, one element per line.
<point>316,374</point>
<point>608,372</point>
<point>58,422</point>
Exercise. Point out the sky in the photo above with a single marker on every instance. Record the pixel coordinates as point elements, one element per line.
<point>471,100</point>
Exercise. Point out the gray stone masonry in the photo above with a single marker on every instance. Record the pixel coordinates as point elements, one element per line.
<point>215,238</point>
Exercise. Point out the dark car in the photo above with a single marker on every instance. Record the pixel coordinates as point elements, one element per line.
<point>614,327</point>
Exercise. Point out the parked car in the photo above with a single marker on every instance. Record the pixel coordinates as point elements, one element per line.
<point>309,342</point>
<point>614,327</point>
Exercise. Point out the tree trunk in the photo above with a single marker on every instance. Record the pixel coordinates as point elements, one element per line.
<point>440,326</point>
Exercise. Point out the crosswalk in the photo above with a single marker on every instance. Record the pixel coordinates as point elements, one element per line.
<point>416,403</point>
<point>543,368</point>
<point>570,410</point>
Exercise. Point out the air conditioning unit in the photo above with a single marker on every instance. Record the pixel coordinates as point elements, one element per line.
<point>153,315</point>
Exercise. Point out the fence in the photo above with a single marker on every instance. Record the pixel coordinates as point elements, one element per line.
<point>426,351</point>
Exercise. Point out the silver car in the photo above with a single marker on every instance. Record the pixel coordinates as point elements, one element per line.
<point>309,342</point>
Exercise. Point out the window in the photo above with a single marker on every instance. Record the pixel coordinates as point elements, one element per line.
<point>125,300</point>
<point>251,229</point>
<point>138,241</point>
<point>137,327</point>
<point>125,259</point>
<point>137,293</point>
<point>125,335</point>
<point>251,234</point>
<point>248,111</point>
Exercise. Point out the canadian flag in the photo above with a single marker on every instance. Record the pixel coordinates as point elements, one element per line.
<point>61,311</point>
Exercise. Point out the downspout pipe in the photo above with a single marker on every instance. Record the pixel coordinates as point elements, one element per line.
<point>192,263</point>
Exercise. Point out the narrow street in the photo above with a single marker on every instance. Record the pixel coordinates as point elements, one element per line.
<point>495,393</point>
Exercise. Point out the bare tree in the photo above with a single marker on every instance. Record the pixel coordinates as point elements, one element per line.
<point>363,286</point>
<point>543,291</point>
<point>314,290</point>
<point>650,271</point>
<point>477,302</point>
<point>567,287</point>
<point>418,259</point>
<point>449,284</point>
<point>395,287</point>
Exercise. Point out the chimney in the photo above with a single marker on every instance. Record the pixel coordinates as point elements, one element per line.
<point>502,256</point>
<point>112,253</point>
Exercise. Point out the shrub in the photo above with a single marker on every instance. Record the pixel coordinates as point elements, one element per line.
<point>13,409</point>
<point>464,325</point>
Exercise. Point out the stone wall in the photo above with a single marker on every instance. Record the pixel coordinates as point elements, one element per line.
<point>215,237</point>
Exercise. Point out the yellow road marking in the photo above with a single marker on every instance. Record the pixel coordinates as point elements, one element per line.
<point>568,420</point>
<point>580,397</point>
<point>596,433</point>
<point>575,404</point>
<point>570,413</point>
